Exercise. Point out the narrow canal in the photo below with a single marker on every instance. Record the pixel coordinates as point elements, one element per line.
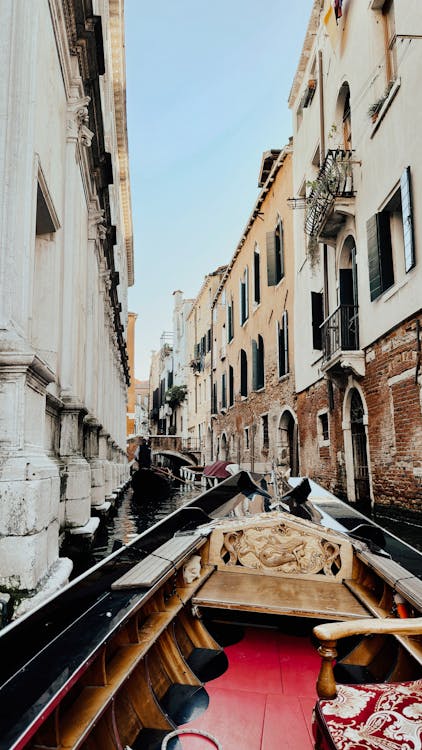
<point>130,518</point>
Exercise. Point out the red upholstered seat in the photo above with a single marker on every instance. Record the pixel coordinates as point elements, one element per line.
<point>371,717</point>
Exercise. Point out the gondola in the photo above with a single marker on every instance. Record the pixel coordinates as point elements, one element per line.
<point>151,483</point>
<point>202,628</point>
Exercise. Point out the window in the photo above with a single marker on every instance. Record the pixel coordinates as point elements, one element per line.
<point>223,391</point>
<point>275,254</point>
<point>209,340</point>
<point>214,399</point>
<point>388,231</point>
<point>244,297</point>
<point>265,436</point>
<point>323,430</point>
<point>243,373</point>
<point>231,386</point>
<point>317,319</point>
<point>258,364</point>
<point>246,432</point>
<point>256,278</point>
<point>230,321</point>
<point>283,346</point>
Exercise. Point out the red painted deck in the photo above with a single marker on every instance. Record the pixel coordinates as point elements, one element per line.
<point>265,699</point>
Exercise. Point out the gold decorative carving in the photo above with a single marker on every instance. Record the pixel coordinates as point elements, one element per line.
<point>281,549</point>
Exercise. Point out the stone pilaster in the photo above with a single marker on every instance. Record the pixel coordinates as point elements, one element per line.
<point>76,478</point>
<point>91,451</point>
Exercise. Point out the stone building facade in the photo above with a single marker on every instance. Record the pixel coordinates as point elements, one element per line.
<point>253,404</point>
<point>358,223</point>
<point>199,343</point>
<point>66,261</point>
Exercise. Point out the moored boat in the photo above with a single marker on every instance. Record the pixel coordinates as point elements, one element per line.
<point>120,656</point>
<point>152,483</point>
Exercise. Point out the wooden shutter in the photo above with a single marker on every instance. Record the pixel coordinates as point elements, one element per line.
<point>374,264</point>
<point>256,277</point>
<point>286,342</point>
<point>280,344</point>
<point>407,212</point>
<point>246,292</point>
<point>243,373</point>
<point>254,366</point>
<point>317,319</point>
<point>271,259</point>
<point>260,368</point>
<point>231,386</point>
<point>281,230</point>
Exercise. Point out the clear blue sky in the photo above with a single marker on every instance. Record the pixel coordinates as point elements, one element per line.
<point>207,89</point>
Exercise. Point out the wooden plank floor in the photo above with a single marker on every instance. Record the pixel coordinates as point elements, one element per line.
<point>282,596</point>
<point>265,699</point>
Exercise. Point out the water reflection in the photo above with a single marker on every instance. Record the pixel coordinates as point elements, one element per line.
<point>128,519</point>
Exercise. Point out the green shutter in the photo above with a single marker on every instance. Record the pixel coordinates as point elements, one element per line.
<point>286,342</point>
<point>271,259</point>
<point>281,249</point>
<point>254,366</point>
<point>374,264</point>
<point>407,212</point>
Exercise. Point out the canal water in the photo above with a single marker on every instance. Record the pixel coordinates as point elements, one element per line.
<point>130,518</point>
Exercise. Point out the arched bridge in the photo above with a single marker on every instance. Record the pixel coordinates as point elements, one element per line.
<point>186,450</point>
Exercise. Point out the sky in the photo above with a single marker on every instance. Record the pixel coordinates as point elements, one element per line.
<point>207,90</point>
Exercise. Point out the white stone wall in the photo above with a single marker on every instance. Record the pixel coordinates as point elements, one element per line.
<point>62,376</point>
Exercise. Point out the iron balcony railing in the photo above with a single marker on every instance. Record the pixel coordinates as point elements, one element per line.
<point>340,331</point>
<point>334,180</point>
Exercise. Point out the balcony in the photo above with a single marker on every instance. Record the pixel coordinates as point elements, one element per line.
<point>331,198</point>
<point>340,342</point>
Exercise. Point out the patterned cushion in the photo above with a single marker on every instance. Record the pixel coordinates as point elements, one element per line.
<point>371,717</point>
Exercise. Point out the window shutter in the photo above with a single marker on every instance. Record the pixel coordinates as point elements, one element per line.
<point>281,229</point>
<point>260,368</point>
<point>271,259</point>
<point>317,319</point>
<point>223,391</point>
<point>209,340</point>
<point>286,342</point>
<point>231,386</point>
<point>254,366</point>
<point>280,344</point>
<point>374,265</point>
<point>246,292</point>
<point>243,373</point>
<point>406,207</point>
<point>257,281</point>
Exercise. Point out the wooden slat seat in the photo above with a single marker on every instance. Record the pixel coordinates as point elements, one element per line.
<point>153,567</point>
<point>281,596</point>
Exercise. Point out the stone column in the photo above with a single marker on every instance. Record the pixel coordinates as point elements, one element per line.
<point>76,479</point>
<point>92,433</point>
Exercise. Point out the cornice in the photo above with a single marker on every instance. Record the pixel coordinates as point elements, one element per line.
<point>119,90</point>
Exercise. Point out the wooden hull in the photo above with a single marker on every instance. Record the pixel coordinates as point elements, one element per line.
<point>148,483</point>
<point>112,660</point>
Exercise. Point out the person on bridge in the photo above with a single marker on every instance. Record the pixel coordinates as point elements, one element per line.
<point>143,454</point>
